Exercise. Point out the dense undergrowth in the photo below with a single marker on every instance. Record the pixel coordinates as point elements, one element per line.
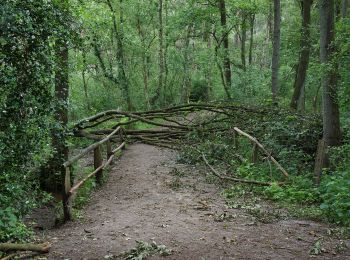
<point>292,140</point>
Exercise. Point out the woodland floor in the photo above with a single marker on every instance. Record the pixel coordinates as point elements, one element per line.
<point>150,197</point>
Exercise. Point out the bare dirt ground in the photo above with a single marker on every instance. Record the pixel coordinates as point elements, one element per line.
<point>150,197</point>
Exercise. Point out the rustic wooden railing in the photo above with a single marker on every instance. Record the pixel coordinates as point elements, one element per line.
<point>99,166</point>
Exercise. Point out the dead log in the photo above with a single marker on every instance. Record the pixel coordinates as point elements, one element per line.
<point>42,248</point>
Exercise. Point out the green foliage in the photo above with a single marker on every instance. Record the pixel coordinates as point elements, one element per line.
<point>144,250</point>
<point>335,190</point>
<point>317,248</point>
<point>27,63</point>
<point>11,228</point>
<point>288,136</point>
<point>300,192</point>
<point>83,194</point>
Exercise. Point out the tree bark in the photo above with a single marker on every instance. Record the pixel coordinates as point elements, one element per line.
<point>119,35</point>
<point>42,248</point>
<point>243,40</point>
<point>225,40</point>
<point>83,73</point>
<point>276,50</point>
<point>160,88</point>
<point>345,8</point>
<point>186,89</point>
<point>208,71</point>
<point>331,121</point>
<point>251,40</point>
<point>61,150</point>
<point>301,72</point>
<point>167,90</point>
<point>270,22</point>
<point>145,70</point>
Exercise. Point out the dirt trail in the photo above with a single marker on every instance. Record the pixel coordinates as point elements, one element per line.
<point>147,198</point>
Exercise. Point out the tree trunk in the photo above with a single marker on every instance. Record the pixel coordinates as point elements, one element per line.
<point>227,63</point>
<point>145,70</point>
<point>345,8</point>
<point>119,35</point>
<point>61,150</point>
<point>276,49</point>
<point>160,89</point>
<point>299,83</point>
<point>251,40</point>
<point>208,71</point>
<point>186,89</point>
<point>331,122</point>
<point>269,22</point>
<point>167,91</point>
<point>83,73</point>
<point>243,40</point>
<point>121,59</point>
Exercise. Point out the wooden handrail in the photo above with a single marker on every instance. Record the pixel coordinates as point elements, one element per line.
<point>99,165</point>
<point>104,165</point>
<point>90,148</point>
<point>254,140</point>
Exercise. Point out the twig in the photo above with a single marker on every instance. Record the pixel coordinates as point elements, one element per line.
<point>220,176</point>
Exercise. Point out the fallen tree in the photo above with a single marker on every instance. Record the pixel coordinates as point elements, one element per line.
<point>190,125</point>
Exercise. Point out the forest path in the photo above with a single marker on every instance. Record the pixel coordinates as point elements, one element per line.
<point>150,197</point>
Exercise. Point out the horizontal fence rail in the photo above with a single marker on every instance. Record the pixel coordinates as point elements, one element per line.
<point>99,166</point>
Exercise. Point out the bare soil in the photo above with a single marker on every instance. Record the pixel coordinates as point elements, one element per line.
<point>150,197</point>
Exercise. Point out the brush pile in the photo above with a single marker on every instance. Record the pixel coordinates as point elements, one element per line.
<point>173,127</point>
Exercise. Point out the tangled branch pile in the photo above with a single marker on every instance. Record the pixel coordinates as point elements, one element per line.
<point>171,127</point>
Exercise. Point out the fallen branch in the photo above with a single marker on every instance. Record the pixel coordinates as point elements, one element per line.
<point>220,176</point>
<point>263,149</point>
<point>42,248</point>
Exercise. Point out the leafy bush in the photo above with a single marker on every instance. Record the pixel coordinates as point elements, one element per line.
<point>335,192</point>
<point>11,227</point>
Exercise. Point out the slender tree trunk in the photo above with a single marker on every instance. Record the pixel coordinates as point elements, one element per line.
<point>121,59</point>
<point>345,8</point>
<point>187,72</point>
<point>167,90</point>
<point>83,72</point>
<point>208,72</point>
<point>269,21</point>
<point>299,83</point>
<point>119,35</point>
<point>251,40</point>
<point>145,70</point>
<point>243,40</point>
<point>227,63</point>
<point>331,121</point>
<point>60,148</point>
<point>276,49</point>
<point>160,89</point>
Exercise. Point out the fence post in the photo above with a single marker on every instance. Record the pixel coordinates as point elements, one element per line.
<point>66,200</point>
<point>121,136</point>
<point>97,163</point>
<point>255,153</point>
<point>109,150</point>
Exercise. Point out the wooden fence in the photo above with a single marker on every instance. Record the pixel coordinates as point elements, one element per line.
<point>99,166</point>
